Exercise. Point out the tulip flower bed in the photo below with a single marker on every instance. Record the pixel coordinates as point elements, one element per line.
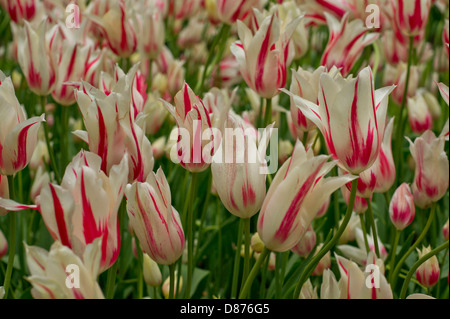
<point>258,149</point>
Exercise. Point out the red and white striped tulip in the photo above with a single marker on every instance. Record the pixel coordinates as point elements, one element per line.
<point>4,191</point>
<point>18,135</point>
<point>297,192</point>
<point>119,27</point>
<point>445,37</point>
<point>352,117</point>
<point>411,17</point>
<point>151,29</point>
<point>182,9</point>
<point>346,43</point>
<point>397,76</point>
<point>431,177</point>
<point>316,9</point>
<point>192,116</point>
<point>324,263</point>
<point>155,221</point>
<point>35,49</point>
<point>20,10</point>
<point>420,118</point>
<point>354,282</point>
<point>305,246</point>
<point>237,169</point>
<point>360,206</point>
<point>3,245</point>
<point>263,54</point>
<point>324,208</point>
<point>359,254</point>
<point>428,273</point>
<point>229,11</point>
<point>84,207</point>
<point>402,209</point>
<point>395,51</point>
<point>49,276</point>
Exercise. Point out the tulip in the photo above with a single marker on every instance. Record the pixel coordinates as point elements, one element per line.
<point>431,177</point>
<point>305,246</point>
<point>193,123</point>
<point>256,243</point>
<point>445,37</point>
<point>330,288</point>
<point>411,17</point>
<point>18,135</point>
<point>360,206</point>
<point>355,284</point>
<point>308,291</point>
<point>20,10</point>
<point>151,29</point>
<point>35,48</point>
<point>236,170</point>
<point>395,51</point>
<point>41,179</point>
<point>3,245</point>
<point>420,117</point>
<point>49,272</point>
<point>84,207</point>
<point>324,208</point>
<point>166,286</point>
<point>324,263</point>
<point>229,11</point>
<point>346,44</point>
<point>445,230</point>
<point>316,9</point>
<point>397,76</point>
<point>384,167</point>
<point>402,209</point>
<point>443,89</point>
<point>351,115</point>
<point>4,191</point>
<point>306,85</point>
<point>183,9</point>
<point>294,197</point>
<point>119,28</point>
<point>350,231</point>
<point>428,273</point>
<point>263,54</point>
<point>156,223</point>
<point>152,273</point>
<point>175,76</point>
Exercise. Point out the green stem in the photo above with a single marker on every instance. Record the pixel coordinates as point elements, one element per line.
<point>111,280</point>
<point>64,138</point>
<point>248,283</point>
<point>400,127</point>
<point>417,265</point>
<point>363,227</point>
<point>237,260</point>
<point>172,280</point>
<point>374,228</point>
<point>309,268</point>
<point>140,280</point>
<point>47,140</point>
<point>268,114</point>
<point>393,253</point>
<point>277,275</point>
<point>190,235</point>
<point>413,246</point>
<point>12,239</point>
<point>247,249</point>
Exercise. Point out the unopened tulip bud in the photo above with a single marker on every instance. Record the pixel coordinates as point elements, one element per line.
<point>402,209</point>
<point>166,285</point>
<point>256,243</point>
<point>306,244</point>
<point>152,273</point>
<point>324,263</point>
<point>428,273</point>
<point>284,151</point>
<point>3,245</point>
<point>433,104</point>
<point>445,230</point>
<point>410,17</point>
<point>420,118</point>
<point>360,206</point>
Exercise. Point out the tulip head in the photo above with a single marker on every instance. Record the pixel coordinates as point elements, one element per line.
<point>428,272</point>
<point>152,273</point>
<point>402,209</point>
<point>306,244</point>
<point>411,17</point>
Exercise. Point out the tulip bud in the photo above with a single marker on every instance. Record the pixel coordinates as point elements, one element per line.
<point>306,244</point>
<point>324,263</point>
<point>3,245</point>
<point>151,29</point>
<point>360,206</point>
<point>402,209</point>
<point>428,273</point>
<point>397,76</point>
<point>420,118</point>
<point>256,243</point>
<point>350,231</point>
<point>20,10</point>
<point>285,149</point>
<point>152,273</point>
<point>445,231</point>
<point>166,285</point>
<point>433,104</point>
<point>431,177</point>
<point>229,11</point>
